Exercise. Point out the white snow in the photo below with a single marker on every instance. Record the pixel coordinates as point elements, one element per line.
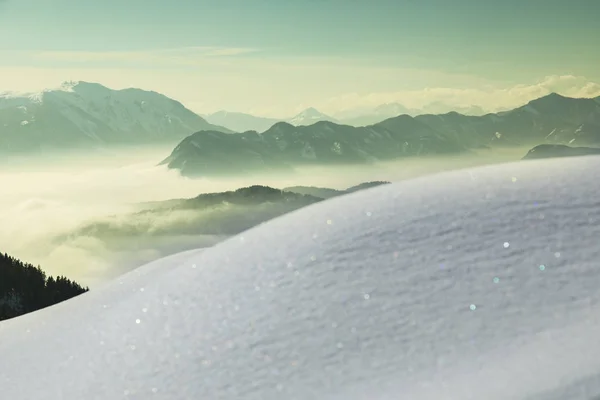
<point>404,291</point>
<point>337,148</point>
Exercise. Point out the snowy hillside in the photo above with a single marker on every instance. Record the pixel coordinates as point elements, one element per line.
<point>472,284</point>
<point>309,117</point>
<point>82,113</point>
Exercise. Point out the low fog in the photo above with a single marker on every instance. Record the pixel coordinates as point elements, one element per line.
<point>48,204</point>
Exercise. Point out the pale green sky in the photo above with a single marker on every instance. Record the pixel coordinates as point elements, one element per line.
<point>274,57</point>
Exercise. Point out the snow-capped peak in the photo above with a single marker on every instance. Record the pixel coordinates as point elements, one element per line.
<point>90,111</point>
<point>68,86</point>
<point>311,112</point>
<point>310,116</point>
<point>37,96</point>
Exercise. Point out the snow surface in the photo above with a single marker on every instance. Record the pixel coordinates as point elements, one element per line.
<point>472,284</point>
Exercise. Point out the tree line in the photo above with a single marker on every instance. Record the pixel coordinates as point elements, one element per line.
<point>25,288</point>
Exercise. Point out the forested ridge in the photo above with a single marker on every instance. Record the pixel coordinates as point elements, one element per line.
<point>25,288</point>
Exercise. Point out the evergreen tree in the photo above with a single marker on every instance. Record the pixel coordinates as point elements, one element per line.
<point>25,288</point>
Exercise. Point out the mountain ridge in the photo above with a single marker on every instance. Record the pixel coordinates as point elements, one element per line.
<point>85,114</point>
<point>552,119</point>
<point>284,146</point>
<point>559,150</point>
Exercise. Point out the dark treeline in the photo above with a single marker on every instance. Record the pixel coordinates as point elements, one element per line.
<point>25,288</point>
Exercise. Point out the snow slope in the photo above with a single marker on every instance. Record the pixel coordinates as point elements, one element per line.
<point>472,284</point>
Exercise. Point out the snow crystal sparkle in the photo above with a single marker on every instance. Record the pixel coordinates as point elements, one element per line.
<point>419,313</point>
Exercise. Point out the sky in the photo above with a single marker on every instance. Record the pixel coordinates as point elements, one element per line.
<point>276,57</point>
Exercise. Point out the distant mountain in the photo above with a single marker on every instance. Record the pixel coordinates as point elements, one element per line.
<point>88,114</point>
<point>390,110</point>
<point>212,153</point>
<point>439,107</point>
<point>327,193</point>
<point>309,117</point>
<point>324,143</point>
<point>221,214</point>
<point>559,150</point>
<point>324,193</point>
<point>378,114</point>
<point>551,119</point>
<point>240,122</point>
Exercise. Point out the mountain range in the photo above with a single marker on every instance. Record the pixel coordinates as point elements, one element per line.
<point>551,119</point>
<point>241,122</point>
<point>88,114</point>
<point>284,146</point>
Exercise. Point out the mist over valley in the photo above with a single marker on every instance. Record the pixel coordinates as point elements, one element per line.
<point>96,215</point>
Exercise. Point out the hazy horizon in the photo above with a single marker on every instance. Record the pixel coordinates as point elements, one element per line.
<point>257,60</point>
<point>437,101</point>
